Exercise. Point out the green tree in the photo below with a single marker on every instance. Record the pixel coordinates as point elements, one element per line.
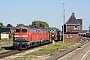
<point>34,23</point>
<point>18,25</point>
<point>1,24</point>
<point>46,25</point>
<point>9,25</point>
<point>40,24</point>
<point>54,28</point>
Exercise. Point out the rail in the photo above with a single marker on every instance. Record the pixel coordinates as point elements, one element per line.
<point>60,54</point>
<point>9,53</point>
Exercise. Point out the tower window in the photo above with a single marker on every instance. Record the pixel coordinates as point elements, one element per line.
<point>75,27</point>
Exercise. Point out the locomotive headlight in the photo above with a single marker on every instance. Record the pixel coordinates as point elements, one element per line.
<point>52,35</point>
<point>28,43</point>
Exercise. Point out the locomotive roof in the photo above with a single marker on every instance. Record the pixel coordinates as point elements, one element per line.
<point>29,26</point>
<point>58,31</point>
<point>25,27</point>
<point>32,27</point>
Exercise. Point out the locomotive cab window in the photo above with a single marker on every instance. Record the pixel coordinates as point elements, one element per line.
<point>32,30</point>
<point>24,30</point>
<point>17,30</point>
<point>38,31</point>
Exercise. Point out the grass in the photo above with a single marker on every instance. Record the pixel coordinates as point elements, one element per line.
<point>46,50</point>
<point>5,40</point>
<point>9,44</point>
<point>6,45</point>
<point>4,51</point>
<point>57,45</point>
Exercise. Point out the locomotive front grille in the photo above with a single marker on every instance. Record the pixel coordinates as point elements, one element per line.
<point>20,40</point>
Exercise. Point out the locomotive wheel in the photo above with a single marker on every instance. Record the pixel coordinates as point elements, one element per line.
<point>38,43</point>
<point>24,46</point>
<point>20,46</point>
<point>15,47</point>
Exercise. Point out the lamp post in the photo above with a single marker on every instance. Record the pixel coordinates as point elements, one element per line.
<point>63,15</point>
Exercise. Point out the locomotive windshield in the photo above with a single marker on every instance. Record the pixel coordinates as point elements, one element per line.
<point>24,30</point>
<point>17,30</point>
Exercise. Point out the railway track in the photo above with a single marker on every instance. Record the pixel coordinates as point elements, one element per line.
<point>9,53</point>
<point>63,53</point>
<point>16,52</point>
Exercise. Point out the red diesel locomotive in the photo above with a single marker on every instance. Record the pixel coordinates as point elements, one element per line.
<point>28,36</point>
<point>57,35</point>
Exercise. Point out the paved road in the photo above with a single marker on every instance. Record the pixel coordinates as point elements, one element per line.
<point>83,54</point>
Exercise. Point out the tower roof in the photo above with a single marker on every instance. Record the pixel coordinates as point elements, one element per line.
<point>79,20</point>
<point>72,21</point>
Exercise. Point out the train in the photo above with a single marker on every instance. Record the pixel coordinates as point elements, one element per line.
<point>29,36</point>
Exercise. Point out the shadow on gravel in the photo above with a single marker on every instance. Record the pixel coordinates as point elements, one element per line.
<point>9,48</point>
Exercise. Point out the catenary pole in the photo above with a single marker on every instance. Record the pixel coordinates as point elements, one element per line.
<point>63,15</point>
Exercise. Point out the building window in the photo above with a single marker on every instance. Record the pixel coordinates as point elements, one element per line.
<point>75,27</point>
<point>69,36</point>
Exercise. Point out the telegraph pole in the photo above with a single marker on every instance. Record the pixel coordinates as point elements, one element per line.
<point>63,15</point>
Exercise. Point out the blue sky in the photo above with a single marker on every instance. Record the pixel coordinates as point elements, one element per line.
<point>50,11</point>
